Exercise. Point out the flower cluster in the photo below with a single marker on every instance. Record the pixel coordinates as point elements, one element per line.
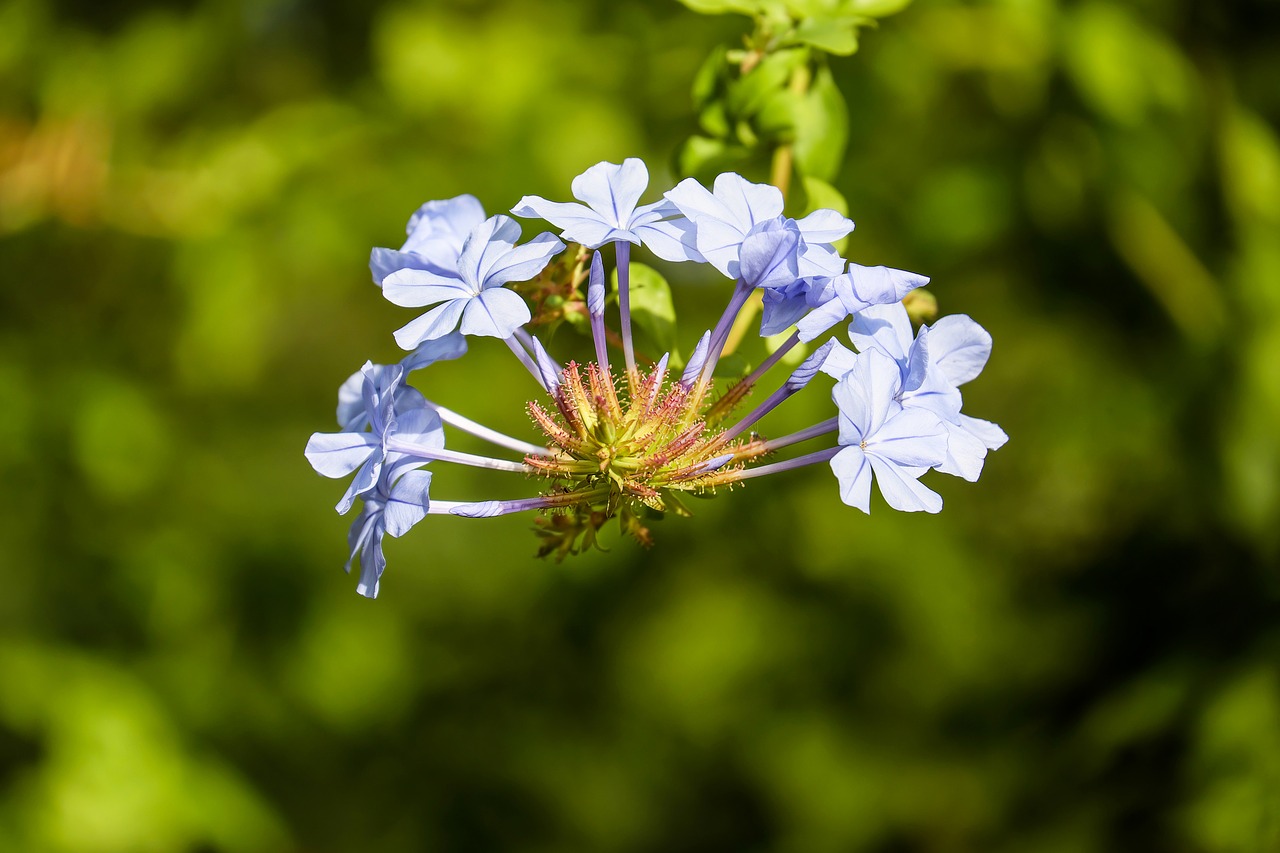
<point>632,442</point>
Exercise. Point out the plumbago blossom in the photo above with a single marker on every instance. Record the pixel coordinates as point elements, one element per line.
<point>636,441</point>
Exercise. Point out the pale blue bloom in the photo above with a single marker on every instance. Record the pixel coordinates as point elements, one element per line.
<point>931,364</point>
<point>879,436</point>
<point>436,232</point>
<point>352,414</point>
<point>723,217</point>
<point>354,450</point>
<point>472,293</point>
<point>768,255</point>
<point>816,304</point>
<point>610,193</point>
<point>399,500</point>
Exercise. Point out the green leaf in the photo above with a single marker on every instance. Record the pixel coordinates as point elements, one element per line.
<point>822,128</point>
<point>706,83</point>
<point>733,366</point>
<point>821,195</point>
<point>714,120</point>
<point>652,310</point>
<point>748,93</point>
<point>834,35</point>
<point>702,157</point>
<point>872,8</point>
<point>721,7</point>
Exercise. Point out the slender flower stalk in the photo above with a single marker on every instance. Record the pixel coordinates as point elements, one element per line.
<point>720,334</point>
<point>525,359</point>
<point>492,436</point>
<point>775,467</point>
<point>423,451</point>
<point>623,259</point>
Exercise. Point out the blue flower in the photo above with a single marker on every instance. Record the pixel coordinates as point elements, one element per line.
<point>724,216</point>
<point>354,450</point>
<point>932,365</point>
<point>398,501</point>
<point>436,232</point>
<point>878,435</point>
<point>609,214</point>
<point>472,292</point>
<point>816,304</point>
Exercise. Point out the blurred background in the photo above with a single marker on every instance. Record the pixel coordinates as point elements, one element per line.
<point>1079,654</point>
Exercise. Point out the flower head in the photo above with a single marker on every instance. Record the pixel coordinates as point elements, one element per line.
<point>879,435</point>
<point>471,295</point>
<point>610,193</point>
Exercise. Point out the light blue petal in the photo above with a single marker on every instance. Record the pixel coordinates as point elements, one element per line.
<point>419,288</point>
<point>879,286</point>
<point>496,313</point>
<point>883,327</point>
<point>489,241</point>
<point>521,263</point>
<point>855,414</point>
<point>694,200</point>
<point>782,308</point>
<point>877,378</point>
<point>747,203</point>
<point>902,491</point>
<point>820,319</point>
<point>351,400</point>
<point>917,365</point>
<point>853,470</point>
<point>960,347</point>
<point>673,240</point>
<point>936,395</point>
<point>578,223</point>
<point>449,220</point>
<point>825,226</point>
<point>767,257</point>
<point>819,260</point>
<point>719,242</point>
<point>410,498</point>
<point>447,348</point>
<point>358,533</point>
<point>372,562</point>
<point>840,360</point>
<point>965,453</point>
<point>613,190</point>
<point>990,434</point>
<point>912,437</point>
<point>365,481</point>
<point>337,454</point>
<point>383,262</point>
<point>436,323</point>
<point>420,426</point>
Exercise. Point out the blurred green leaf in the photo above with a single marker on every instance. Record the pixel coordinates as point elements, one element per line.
<point>720,7</point>
<point>834,35</point>
<point>822,128</point>
<point>651,307</point>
